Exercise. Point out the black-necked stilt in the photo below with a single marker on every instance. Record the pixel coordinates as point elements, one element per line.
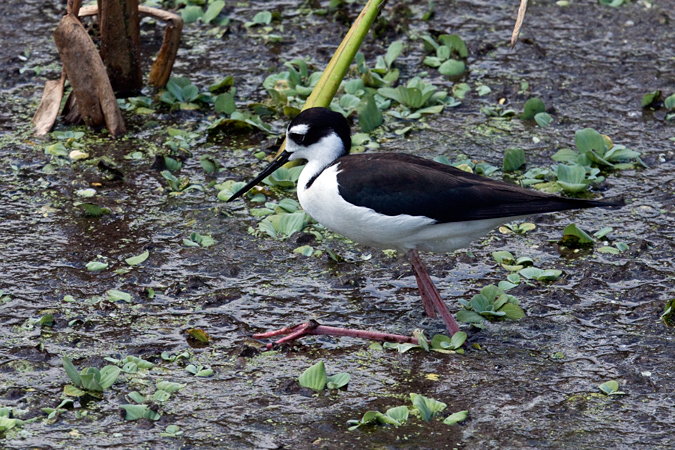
<point>398,201</point>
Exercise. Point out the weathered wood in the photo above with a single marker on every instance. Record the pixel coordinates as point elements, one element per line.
<point>71,112</point>
<point>163,65</point>
<point>120,44</point>
<point>87,75</point>
<point>48,111</point>
<point>74,7</point>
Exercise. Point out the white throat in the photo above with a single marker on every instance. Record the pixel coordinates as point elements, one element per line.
<point>318,155</point>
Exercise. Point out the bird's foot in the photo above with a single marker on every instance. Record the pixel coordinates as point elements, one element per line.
<point>314,328</point>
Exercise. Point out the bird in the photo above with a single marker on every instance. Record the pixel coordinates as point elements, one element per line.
<point>397,201</point>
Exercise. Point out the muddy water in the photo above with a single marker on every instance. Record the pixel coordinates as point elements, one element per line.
<point>527,384</point>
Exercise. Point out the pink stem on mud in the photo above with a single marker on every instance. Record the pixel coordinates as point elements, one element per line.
<point>426,285</point>
<point>313,328</point>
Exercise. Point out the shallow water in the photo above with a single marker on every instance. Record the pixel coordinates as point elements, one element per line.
<point>591,63</point>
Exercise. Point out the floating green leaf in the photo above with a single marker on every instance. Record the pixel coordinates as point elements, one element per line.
<point>338,381</point>
<point>96,266</point>
<point>136,260</point>
<point>651,98</point>
<point>574,236</point>
<point>587,140</point>
<point>456,417</point>
<point>314,377</point>
<point>370,116</point>
<point>533,107</point>
<point>543,119</point>
<point>610,388</point>
<point>115,295</point>
<point>514,159</point>
<point>135,412</point>
<point>213,10</point>
<point>428,408</point>
<point>452,68</point>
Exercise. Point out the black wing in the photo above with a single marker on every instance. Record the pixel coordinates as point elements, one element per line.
<point>394,184</point>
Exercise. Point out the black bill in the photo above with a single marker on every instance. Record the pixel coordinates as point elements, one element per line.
<point>274,165</point>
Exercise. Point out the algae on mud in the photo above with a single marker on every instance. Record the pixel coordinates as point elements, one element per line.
<point>532,384</point>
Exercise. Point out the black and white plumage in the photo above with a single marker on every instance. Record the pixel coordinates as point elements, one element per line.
<point>399,201</point>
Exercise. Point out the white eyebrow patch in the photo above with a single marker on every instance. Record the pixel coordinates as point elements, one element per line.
<point>301,129</point>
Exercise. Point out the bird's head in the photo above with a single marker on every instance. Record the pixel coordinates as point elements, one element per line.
<point>318,135</point>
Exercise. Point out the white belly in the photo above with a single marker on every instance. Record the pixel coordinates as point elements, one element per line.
<point>363,225</point>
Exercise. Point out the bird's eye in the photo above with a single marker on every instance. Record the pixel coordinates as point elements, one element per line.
<point>297,137</point>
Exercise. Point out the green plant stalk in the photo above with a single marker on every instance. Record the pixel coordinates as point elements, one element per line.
<point>337,68</point>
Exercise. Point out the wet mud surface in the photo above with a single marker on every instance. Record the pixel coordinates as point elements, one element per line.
<point>530,384</point>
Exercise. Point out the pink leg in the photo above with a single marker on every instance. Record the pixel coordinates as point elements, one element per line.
<point>313,328</point>
<point>428,290</point>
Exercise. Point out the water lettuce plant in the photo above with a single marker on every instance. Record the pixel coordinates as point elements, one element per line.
<point>439,343</point>
<point>315,378</point>
<point>491,304</point>
<point>416,98</point>
<point>423,407</point>
<point>90,379</point>
<point>446,49</point>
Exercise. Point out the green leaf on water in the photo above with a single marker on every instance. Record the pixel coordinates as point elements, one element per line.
<point>370,116</point>
<point>136,396</point>
<point>466,316</point>
<point>169,386</point>
<point>225,103</point>
<point>171,431</point>
<point>305,250</point>
<point>93,210</point>
<point>458,339</point>
<point>108,376</point>
<point>142,363</point>
<point>393,52</point>
<point>651,98</point>
<point>460,90</point>
<point>314,377</point>
<point>455,43</point>
<point>399,413</point>
<point>115,295</point>
<point>566,155</point>
<point>669,103</point>
<point>610,388</point>
<point>573,235</point>
<point>72,372</point>
<point>611,250</point>
<point>514,159</point>
<point>213,10</point>
<point>533,107</point>
<point>7,424</point>
<point>588,139</point>
<point>171,163</point>
<point>192,14</point>
<point>338,380</point>
<point>452,68</point>
<point>72,391</point>
<point>262,18</point>
<point>160,396</point>
<point>456,417</point>
<point>135,412</point>
<point>96,266</point>
<point>543,119</point>
<point>136,260</point>
<point>427,407</point>
<point>512,312</point>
